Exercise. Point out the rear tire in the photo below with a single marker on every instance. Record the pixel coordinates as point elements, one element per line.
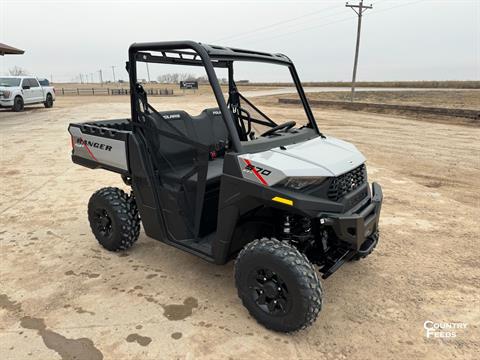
<point>278,285</point>
<point>48,101</point>
<point>114,218</point>
<point>18,104</point>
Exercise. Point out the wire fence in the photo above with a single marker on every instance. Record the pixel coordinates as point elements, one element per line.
<point>108,91</point>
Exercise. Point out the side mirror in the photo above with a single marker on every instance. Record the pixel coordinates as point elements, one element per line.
<point>26,87</point>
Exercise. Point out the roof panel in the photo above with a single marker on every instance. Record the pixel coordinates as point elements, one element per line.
<point>214,51</point>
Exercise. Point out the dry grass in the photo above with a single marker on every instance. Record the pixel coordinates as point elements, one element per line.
<point>450,84</point>
<point>202,88</point>
<point>461,99</point>
<point>464,99</point>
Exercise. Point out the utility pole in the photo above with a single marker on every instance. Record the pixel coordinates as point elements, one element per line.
<point>81,78</point>
<point>359,10</point>
<point>148,72</point>
<point>113,70</point>
<point>101,77</point>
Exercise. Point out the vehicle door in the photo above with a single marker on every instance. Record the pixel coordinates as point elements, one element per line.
<point>37,90</point>
<point>27,92</point>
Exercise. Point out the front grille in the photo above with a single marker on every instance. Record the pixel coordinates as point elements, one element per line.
<point>343,184</point>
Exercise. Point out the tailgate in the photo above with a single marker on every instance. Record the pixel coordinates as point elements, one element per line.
<point>100,147</point>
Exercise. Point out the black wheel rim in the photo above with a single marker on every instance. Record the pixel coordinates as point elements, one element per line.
<point>269,291</point>
<point>103,222</point>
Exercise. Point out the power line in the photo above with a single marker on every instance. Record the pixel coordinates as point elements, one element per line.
<point>276,24</point>
<point>331,23</point>
<point>254,31</point>
<point>304,29</point>
<point>359,10</point>
<point>398,6</point>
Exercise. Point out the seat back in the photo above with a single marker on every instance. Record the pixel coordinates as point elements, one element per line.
<point>210,128</point>
<point>173,151</point>
<point>207,128</point>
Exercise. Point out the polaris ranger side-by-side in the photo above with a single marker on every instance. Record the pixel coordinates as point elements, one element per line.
<point>279,203</point>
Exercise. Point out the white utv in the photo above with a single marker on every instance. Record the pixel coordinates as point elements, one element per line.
<point>280,204</point>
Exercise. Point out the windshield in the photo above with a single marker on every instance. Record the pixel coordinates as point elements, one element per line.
<point>9,82</point>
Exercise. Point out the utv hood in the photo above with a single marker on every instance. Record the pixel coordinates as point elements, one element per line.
<point>317,157</point>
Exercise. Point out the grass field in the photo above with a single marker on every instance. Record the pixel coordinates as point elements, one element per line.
<point>202,88</point>
<point>464,99</point>
<point>474,84</point>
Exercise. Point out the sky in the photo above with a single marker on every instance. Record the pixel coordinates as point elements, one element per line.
<point>400,40</point>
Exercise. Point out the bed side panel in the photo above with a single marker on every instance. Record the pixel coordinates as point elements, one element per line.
<point>95,147</point>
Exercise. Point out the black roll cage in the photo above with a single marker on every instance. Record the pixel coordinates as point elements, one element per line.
<point>209,57</point>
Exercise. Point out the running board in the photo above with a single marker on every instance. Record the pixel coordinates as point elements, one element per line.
<point>202,248</point>
<point>335,259</point>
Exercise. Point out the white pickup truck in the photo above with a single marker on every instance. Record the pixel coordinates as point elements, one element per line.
<point>18,91</point>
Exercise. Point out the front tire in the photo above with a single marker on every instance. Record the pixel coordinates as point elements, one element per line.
<point>278,285</point>
<point>114,218</point>
<point>48,101</point>
<point>18,104</point>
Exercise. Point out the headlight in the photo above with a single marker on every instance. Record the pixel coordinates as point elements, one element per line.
<point>298,183</point>
<point>5,94</point>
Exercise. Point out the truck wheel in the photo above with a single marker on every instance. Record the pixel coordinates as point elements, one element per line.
<point>114,218</point>
<point>48,101</point>
<point>278,285</point>
<point>18,104</point>
<point>367,247</point>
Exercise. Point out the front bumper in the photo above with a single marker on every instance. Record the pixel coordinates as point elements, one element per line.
<point>355,227</point>
<point>6,102</point>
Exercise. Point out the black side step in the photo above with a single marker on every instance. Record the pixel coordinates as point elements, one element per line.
<point>199,247</point>
<point>335,259</point>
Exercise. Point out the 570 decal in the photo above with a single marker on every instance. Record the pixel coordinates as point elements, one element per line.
<point>257,169</point>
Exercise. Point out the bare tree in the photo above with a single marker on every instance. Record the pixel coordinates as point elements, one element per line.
<point>202,79</point>
<point>173,78</point>
<point>187,77</point>
<point>17,71</point>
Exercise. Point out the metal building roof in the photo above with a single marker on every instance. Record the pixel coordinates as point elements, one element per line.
<point>9,50</point>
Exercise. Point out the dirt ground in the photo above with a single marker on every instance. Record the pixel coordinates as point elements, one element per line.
<point>460,99</point>
<point>63,296</point>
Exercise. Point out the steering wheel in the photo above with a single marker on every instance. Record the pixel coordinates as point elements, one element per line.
<point>287,126</point>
